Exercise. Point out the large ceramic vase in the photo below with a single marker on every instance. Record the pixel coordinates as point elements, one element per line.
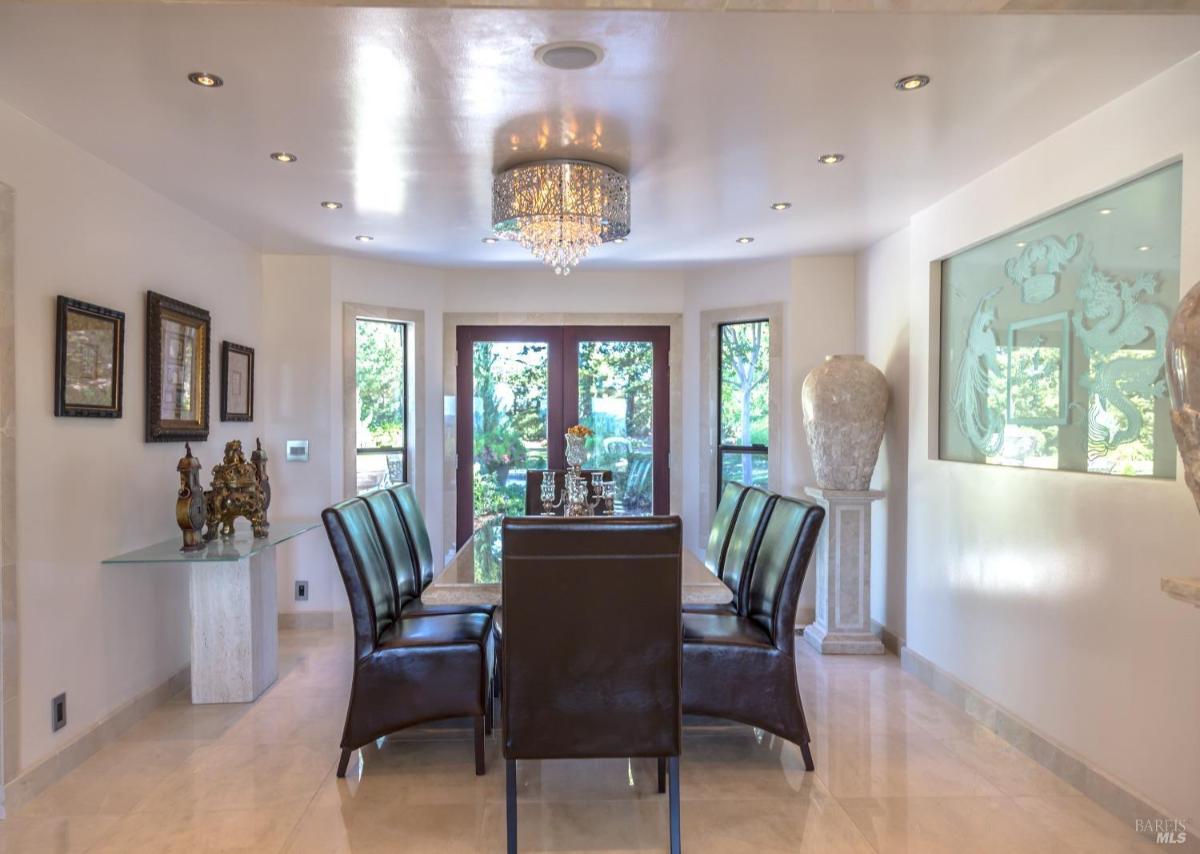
<point>845,402</point>
<point>1183,376</point>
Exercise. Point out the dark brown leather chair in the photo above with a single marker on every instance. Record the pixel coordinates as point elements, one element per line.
<point>533,488</point>
<point>592,644</point>
<point>742,666</point>
<point>402,553</point>
<point>722,526</point>
<point>741,544</point>
<point>407,669</point>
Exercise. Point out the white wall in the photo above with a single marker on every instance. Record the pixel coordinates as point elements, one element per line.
<point>1040,589</point>
<point>881,296</point>
<point>91,488</point>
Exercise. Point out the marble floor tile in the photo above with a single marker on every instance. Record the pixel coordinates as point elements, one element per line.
<point>898,770</point>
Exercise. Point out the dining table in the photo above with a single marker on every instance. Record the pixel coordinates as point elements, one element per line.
<point>473,575</point>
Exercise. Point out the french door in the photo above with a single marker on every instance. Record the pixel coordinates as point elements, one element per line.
<point>520,387</point>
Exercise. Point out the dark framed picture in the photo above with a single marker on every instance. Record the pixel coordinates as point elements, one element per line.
<point>89,360</point>
<point>178,339</point>
<point>237,382</point>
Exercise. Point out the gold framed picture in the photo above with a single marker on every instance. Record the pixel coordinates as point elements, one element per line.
<point>89,360</point>
<point>178,339</point>
<point>237,382</point>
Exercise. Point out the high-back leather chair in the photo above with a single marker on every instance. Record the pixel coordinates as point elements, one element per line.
<point>592,644</point>
<point>742,666</point>
<point>533,489</point>
<point>400,541</point>
<point>407,669</point>
<point>722,527</point>
<point>747,533</point>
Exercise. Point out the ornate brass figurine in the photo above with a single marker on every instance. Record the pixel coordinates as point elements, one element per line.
<point>239,488</point>
<point>189,507</point>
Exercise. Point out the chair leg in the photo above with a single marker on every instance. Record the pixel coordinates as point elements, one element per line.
<point>487,728</point>
<point>806,752</point>
<point>674,796</point>
<point>479,763</point>
<point>343,762</point>
<point>510,797</point>
<point>662,774</point>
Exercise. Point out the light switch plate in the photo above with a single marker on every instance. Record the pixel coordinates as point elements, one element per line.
<point>297,451</point>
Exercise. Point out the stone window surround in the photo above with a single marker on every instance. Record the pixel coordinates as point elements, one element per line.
<point>414,320</point>
<point>710,322</point>
<point>451,322</point>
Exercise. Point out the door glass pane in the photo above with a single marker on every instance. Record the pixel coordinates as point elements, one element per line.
<point>379,376</point>
<point>616,400</point>
<point>745,467</point>
<point>510,391</point>
<point>745,383</point>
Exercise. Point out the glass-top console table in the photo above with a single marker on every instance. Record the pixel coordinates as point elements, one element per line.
<point>234,619</point>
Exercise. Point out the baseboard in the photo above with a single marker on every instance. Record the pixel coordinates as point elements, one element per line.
<point>1121,801</point>
<point>29,783</point>
<point>891,641</point>
<point>302,620</point>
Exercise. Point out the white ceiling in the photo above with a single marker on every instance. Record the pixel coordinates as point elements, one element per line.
<point>404,115</point>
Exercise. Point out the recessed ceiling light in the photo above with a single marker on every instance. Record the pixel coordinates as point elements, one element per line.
<point>1020,244</point>
<point>331,206</point>
<point>618,240</point>
<point>569,56</point>
<point>1105,211</point>
<point>911,82</point>
<point>283,157</point>
<point>363,238</point>
<point>205,79</point>
<point>1143,248</point>
<point>491,240</point>
<point>745,240</point>
<point>830,159</point>
<point>781,206</point>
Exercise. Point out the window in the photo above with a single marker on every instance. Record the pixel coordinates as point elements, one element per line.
<point>742,402</point>
<point>381,403</point>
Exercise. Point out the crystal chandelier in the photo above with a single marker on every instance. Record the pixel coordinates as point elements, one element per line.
<point>559,209</point>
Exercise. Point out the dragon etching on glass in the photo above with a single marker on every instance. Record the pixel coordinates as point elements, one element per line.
<point>983,425</point>
<point>1115,317</point>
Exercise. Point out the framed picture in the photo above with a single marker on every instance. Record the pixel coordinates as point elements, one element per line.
<point>237,382</point>
<point>177,348</point>
<point>89,360</point>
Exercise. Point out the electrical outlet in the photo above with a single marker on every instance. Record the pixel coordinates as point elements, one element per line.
<point>301,591</point>
<point>58,712</point>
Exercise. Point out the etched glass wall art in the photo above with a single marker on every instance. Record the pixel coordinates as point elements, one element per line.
<point>1053,337</point>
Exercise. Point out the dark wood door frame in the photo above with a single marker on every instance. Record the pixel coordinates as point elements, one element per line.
<point>562,400</point>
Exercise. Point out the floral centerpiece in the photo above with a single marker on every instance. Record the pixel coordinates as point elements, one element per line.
<point>576,437</point>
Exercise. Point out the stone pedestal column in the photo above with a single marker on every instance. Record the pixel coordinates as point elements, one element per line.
<point>843,566</point>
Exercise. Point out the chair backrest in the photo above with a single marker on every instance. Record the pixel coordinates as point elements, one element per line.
<point>393,537</point>
<point>780,566</point>
<point>747,531</point>
<point>722,527</point>
<point>592,637</point>
<point>418,534</point>
<point>533,487</point>
<point>365,571</point>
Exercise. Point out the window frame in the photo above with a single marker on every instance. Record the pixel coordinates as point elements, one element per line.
<point>406,342</point>
<point>724,448</point>
<point>415,426</point>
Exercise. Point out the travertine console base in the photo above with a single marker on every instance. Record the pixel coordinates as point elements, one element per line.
<point>843,566</point>
<point>235,632</point>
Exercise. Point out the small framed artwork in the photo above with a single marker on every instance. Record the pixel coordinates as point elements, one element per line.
<point>89,360</point>
<point>237,382</point>
<point>177,355</point>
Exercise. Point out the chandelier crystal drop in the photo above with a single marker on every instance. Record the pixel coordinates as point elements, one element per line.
<point>560,209</point>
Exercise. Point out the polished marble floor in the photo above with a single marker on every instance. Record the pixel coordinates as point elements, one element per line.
<point>898,770</point>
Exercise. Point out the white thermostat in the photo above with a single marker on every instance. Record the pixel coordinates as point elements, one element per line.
<point>297,450</point>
